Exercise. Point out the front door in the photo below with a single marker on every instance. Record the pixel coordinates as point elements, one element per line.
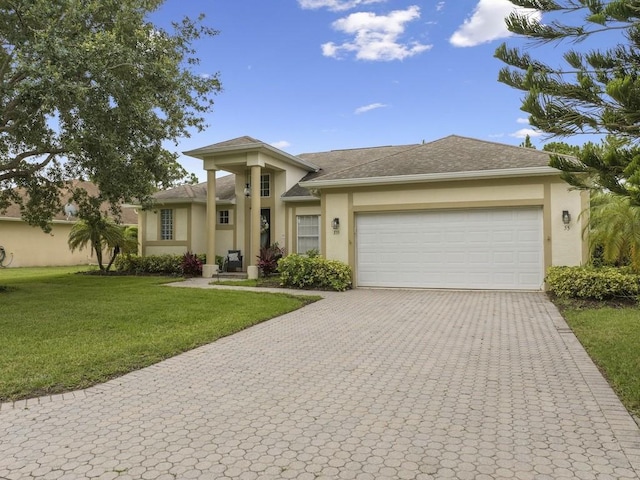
<point>265,227</point>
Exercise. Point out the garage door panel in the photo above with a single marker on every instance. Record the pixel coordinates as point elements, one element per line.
<point>483,248</point>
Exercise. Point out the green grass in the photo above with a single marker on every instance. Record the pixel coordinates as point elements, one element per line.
<point>63,331</point>
<point>611,336</point>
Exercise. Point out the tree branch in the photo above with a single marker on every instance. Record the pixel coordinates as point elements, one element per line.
<point>18,168</point>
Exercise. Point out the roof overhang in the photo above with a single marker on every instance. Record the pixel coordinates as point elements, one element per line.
<point>306,198</point>
<point>183,201</point>
<point>432,177</point>
<point>213,151</point>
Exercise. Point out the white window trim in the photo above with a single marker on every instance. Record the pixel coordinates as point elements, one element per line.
<point>298,236</point>
<point>166,233</point>
<point>220,217</point>
<point>266,176</point>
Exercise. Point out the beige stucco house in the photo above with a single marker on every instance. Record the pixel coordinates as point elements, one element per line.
<point>27,246</point>
<point>452,213</point>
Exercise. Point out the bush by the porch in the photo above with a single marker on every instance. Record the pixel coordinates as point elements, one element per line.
<point>314,272</point>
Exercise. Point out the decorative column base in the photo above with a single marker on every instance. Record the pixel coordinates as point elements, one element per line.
<point>252,272</point>
<point>208,271</point>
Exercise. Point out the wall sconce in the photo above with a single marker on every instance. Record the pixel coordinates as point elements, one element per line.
<point>247,191</point>
<point>335,224</point>
<point>566,219</point>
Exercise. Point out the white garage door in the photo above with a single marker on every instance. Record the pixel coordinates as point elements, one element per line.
<point>498,248</point>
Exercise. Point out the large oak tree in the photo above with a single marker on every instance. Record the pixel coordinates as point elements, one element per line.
<point>91,89</point>
<point>595,91</point>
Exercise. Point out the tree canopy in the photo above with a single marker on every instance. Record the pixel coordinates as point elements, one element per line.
<point>596,91</point>
<point>91,89</point>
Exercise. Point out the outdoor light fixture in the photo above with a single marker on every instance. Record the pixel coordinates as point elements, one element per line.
<point>566,219</point>
<point>247,191</point>
<point>335,224</point>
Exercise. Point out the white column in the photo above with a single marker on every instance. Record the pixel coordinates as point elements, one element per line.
<point>211,267</point>
<point>252,269</point>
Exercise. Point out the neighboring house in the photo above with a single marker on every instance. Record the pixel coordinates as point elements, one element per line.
<point>28,246</point>
<point>452,213</point>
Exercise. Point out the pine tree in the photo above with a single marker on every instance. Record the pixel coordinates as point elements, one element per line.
<point>596,91</point>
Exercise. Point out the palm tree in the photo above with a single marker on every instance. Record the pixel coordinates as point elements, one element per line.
<point>130,244</point>
<point>101,233</point>
<point>614,228</point>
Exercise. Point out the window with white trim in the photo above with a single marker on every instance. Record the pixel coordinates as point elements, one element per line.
<point>223,217</point>
<point>308,233</point>
<point>166,224</point>
<point>265,185</point>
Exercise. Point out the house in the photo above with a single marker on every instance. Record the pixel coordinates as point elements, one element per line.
<point>452,213</point>
<point>28,246</point>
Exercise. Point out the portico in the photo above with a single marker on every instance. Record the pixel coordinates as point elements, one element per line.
<point>262,174</point>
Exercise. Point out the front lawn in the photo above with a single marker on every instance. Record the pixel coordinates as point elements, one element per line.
<point>63,331</point>
<point>611,336</point>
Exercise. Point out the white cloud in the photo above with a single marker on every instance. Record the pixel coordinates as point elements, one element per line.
<point>368,108</point>
<point>524,121</point>
<point>282,144</point>
<point>376,37</point>
<point>439,6</point>
<point>487,23</point>
<point>335,5</point>
<point>523,132</point>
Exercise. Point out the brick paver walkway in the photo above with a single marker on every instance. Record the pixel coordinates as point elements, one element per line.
<point>369,384</point>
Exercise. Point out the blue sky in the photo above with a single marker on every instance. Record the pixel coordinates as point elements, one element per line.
<point>316,75</point>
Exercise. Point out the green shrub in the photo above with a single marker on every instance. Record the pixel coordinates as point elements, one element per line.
<point>593,283</point>
<point>315,272</point>
<point>153,264</point>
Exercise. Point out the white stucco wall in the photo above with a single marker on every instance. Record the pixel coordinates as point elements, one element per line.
<point>181,224</point>
<point>337,243</point>
<point>150,226</point>
<point>431,193</point>
<point>198,228</point>
<point>31,247</point>
<point>566,244</point>
<point>224,242</point>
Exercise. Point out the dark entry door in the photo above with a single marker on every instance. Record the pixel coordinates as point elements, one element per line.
<point>265,227</point>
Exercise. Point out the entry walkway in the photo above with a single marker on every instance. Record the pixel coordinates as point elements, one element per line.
<point>369,384</point>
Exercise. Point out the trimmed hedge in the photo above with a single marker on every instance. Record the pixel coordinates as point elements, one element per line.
<point>171,265</point>
<point>314,272</point>
<point>592,283</point>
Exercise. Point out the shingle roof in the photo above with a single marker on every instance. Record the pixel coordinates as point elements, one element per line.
<point>225,190</point>
<point>128,215</point>
<point>452,154</point>
<point>341,160</point>
<point>449,154</point>
<point>234,142</point>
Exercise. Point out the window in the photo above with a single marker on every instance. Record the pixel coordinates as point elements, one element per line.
<point>265,190</point>
<point>308,233</point>
<point>223,217</point>
<point>166,224</point>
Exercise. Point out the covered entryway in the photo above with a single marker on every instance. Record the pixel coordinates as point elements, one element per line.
<point>497,248</point>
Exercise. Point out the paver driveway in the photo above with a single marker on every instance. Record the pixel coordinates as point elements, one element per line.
<point>370,384</point>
